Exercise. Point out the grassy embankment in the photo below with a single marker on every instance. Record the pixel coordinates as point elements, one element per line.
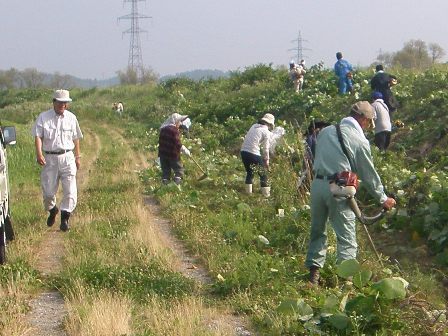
<point>223,225</point>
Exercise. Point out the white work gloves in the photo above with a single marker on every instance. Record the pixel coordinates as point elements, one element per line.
<point>185,150</point>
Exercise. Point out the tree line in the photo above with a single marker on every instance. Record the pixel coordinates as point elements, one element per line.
<point>32,78</point>
<point>415,54</point>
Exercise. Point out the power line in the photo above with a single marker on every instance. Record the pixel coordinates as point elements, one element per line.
<point>135,60</point>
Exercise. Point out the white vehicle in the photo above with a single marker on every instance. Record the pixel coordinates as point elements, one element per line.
<point>7,137</point>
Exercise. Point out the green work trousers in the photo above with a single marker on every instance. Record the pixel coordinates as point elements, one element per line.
<point>325,206</point>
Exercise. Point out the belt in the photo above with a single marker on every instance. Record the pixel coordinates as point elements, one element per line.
<point>323,177</point>
<point>58,152</point>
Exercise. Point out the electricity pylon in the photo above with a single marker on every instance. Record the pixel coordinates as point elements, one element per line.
<point>299,49</point>
<point>135,60</point>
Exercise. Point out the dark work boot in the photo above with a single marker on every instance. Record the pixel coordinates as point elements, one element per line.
<point>52,216</point>
<point>64,221</point>
<point>314,275</point>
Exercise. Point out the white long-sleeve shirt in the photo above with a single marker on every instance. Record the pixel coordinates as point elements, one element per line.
<point>256,140</point>
<point>382,120</point>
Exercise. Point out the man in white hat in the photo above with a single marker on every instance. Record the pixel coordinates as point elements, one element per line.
<point>255,153</point>
<point>330,159</point>
<point>57,136</point>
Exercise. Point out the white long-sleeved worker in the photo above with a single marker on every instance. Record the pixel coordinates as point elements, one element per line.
<point>57,134</point>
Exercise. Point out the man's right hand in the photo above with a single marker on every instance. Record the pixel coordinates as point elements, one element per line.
<point>41,160</point>
<point>389,203</point>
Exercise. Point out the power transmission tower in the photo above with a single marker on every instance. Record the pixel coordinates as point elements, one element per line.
<point>135,60</point>
<point>299,49</point>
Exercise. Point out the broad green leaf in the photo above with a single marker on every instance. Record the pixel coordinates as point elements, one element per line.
<point>390,288</point>
<point>331,306</point>
<point>339,321</point>
<point>297,308</point>
<point>289,307</point>
<point>348,268</point>
<point>305,311</point>
<point>361,279</point>
<point>362,305</point>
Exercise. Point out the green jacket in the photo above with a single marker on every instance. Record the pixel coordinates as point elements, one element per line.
<point>330,158</point>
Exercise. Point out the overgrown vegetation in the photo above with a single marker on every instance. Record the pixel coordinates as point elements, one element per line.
<point>254,255</point>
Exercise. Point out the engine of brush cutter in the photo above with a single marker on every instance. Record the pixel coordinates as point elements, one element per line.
<point>344,184</point>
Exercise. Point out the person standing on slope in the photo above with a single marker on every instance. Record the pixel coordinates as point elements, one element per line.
<point>170,148</point>
<point>382,82</point>
<point>255,153</point>
<point>343,70</point>
<point>329,161</point>
<point>383,126</point>
<point>296,72</point>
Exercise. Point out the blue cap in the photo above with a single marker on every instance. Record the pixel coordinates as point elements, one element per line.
<point>377,95</point>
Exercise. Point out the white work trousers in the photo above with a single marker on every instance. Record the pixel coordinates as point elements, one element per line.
<point>59,168</point>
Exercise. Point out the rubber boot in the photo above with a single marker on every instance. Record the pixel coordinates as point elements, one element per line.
<point>314,275</point>
<point>65,216</point>
<point>266,191</point>
<point>248,188</point>
<point>52,216</point>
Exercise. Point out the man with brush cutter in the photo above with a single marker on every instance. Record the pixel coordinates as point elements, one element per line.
<point>342,153</point>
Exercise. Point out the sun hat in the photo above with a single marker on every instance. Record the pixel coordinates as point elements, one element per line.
<point>364,109</point>
<point>62,96</point>
<point>176,117</point>
<point>269,118</point>
<point>377,95</point>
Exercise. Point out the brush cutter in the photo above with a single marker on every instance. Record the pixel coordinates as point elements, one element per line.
<point>366,221</point>
<point>345,186</point>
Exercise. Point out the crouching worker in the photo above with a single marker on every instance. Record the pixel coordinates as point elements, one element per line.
<point>170,147</point>
<point>257,141</point>
<point>330,159</point>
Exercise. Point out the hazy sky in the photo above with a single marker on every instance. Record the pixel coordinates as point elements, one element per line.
<point>84,38</point>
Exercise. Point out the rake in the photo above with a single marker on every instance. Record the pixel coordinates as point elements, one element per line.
<point>204,174</point>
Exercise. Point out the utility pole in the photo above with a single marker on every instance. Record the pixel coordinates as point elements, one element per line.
<point>135,60</point>
<point>299,49</point>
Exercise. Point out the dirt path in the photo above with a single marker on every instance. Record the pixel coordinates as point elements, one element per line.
<point>48,310</point>
<point>187,264</point>
<point>191,267</point>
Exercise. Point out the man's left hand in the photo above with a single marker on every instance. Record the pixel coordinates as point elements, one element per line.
<point>389,203</point>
